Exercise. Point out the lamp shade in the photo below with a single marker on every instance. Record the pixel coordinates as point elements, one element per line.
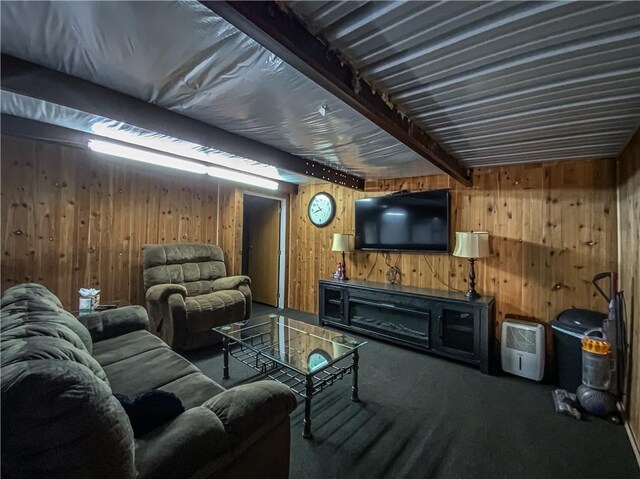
<point>342,242</point>
<point>473,244</point>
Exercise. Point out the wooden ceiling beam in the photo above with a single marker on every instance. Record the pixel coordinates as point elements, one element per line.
<point>283,34</point>
<point>28,79</point>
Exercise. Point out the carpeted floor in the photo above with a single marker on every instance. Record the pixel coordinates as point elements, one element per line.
<point>425,417</point>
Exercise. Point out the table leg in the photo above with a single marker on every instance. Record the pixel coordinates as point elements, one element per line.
<point>307,407</point>
<point>354,386</point>
<point>225,350</point>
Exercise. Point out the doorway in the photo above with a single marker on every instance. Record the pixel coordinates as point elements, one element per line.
<point>263,234</point>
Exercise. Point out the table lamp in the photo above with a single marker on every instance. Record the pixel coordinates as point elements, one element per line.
<point>472,245</point>
<point>342,242</point>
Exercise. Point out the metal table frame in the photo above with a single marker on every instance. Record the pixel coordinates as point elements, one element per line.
<point>251,352</point>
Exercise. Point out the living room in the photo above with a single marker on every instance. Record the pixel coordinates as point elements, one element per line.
<point>163,151</point>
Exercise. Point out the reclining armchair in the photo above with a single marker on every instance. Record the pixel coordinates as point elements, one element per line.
<point>188,293</point>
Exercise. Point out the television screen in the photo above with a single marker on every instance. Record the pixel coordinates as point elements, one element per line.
<point>409,222</point>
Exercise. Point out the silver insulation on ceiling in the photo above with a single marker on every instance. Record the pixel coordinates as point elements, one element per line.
<point>498,82</point>
<point>47,112</point>
<point>181,56</point>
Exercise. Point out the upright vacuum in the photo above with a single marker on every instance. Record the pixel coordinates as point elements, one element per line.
<point>604,356</point>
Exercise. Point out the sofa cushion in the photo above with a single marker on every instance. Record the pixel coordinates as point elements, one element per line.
<point>40,317</point>
<point>214,309</point>
<point>30,291</point>
<point>60,421</point>
<point>148,370</point>
<point>46,347</point>
<point>193,389</point>
<point>53,329</point>
<point>122,347</point>
<point>193,266</point>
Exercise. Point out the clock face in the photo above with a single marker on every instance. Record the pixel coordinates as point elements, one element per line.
<point>322,209</point>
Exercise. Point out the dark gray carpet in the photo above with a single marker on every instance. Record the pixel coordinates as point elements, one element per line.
<point>425,417</point>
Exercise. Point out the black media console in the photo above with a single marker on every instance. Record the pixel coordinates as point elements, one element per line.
<point>441,322</point>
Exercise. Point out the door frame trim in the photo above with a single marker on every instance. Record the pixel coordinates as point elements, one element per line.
<point>282,260</point>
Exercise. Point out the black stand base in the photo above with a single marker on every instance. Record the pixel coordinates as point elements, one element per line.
<point>472,294</point>
<point>344,269</point>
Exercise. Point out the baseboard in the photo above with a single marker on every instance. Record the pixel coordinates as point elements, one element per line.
<point>635,444</point>
<point>634,441</point>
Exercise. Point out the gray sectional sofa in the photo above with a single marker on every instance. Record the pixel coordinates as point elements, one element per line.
<point>60,418</point>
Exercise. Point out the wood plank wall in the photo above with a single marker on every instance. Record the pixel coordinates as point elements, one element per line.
<point>72,219</point>
<point>552,226</point>
<point>230,229</point>
<point>629,268</point>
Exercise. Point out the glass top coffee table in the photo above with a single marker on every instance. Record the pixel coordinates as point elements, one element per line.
<point>304,357</point>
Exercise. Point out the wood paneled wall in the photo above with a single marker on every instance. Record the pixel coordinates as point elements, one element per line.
<point>629,268</point>
<point>552,226</point>
<point>231,225</point>
<point>230,229</point>
<point>71,219</point>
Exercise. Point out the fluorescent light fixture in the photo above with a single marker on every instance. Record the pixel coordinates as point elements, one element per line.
<point>184,149</point>
<point>145,156</point>
<point>239,177</point>
<point>160,159</point>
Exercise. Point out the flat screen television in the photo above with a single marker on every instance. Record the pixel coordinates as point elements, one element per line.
<point>404,222</point>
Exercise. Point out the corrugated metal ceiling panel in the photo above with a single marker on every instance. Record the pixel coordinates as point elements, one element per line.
<point>498,82</point>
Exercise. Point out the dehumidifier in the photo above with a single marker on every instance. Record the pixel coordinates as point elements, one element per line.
<point>522,349</point>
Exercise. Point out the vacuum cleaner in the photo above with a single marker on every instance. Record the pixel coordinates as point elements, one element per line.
<point>604,357</point>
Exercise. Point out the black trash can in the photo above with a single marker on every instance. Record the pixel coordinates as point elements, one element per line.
<point>568,329</point>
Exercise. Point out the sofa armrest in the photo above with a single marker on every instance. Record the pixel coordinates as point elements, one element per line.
<point>231,282</point>
<point>240,283</point>
<point>161,292</point>
<point>182,446</point>
<point>115,322</point>
<point>244,409</point>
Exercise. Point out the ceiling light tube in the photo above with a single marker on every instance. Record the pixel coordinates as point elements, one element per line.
<point>186,149</point>
<point>160,159</point>
<point>239,177</point>
<point>145,156</point>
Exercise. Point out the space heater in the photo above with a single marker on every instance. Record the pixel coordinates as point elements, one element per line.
<point>522,349</point>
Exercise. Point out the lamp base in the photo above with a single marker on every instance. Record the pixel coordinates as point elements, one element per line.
<point>472,294</point>
<point>344,269</point>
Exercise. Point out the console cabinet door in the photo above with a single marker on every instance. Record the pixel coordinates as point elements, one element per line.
<point>332,304</point>
<point>456,331</point>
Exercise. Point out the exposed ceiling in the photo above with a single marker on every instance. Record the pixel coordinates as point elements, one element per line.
<point>181,56</point>
<point>495,82</point>
<point>498,82</point>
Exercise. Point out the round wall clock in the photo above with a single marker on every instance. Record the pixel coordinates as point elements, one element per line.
<point>322,209</point>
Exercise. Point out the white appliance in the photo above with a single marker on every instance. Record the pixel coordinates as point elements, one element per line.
<point>522,349</point>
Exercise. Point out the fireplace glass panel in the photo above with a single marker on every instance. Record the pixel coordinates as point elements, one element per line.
<point>394,322</point>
